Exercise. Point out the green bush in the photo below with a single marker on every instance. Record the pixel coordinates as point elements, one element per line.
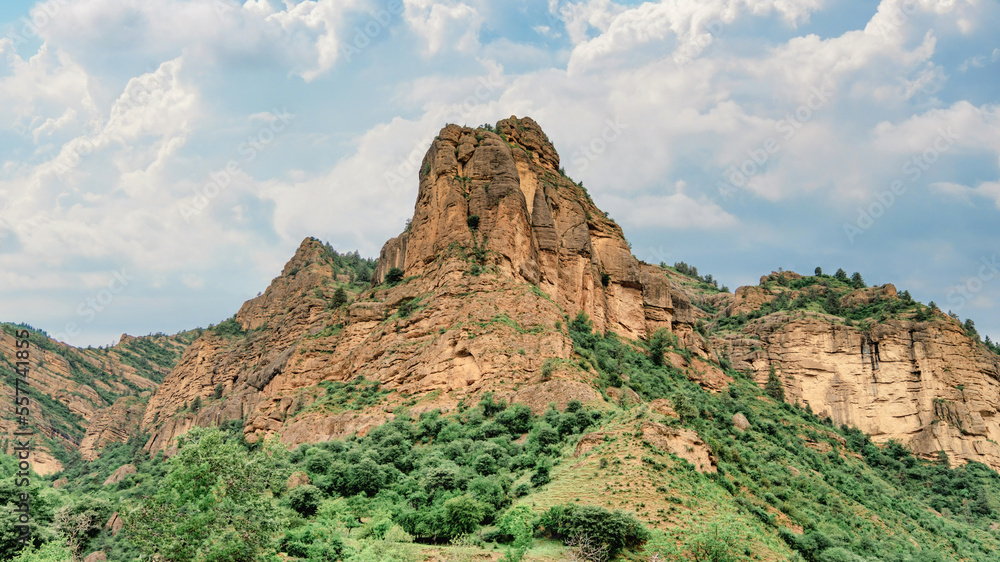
<point>305,499</point>
<point>615,530</point>
<point>393,276</point>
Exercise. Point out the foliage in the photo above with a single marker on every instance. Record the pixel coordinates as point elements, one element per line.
<point>305,499</point>
<point>691,271</point>
<point>393,276</point>
<point>339,298</point>
<point>773,387</point>
<point>229,328</point>
<point>215,502</point>
<point>613,531</point>
<point>80,521</point>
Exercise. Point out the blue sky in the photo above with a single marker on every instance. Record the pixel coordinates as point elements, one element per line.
<point>162,159</point>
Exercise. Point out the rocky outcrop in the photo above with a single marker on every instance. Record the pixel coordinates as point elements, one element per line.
<point>114,424</point>
<point>501,250</point>
<point>501,199</point>
<point>120,473</point>
<point>114,524</point>
<point>925,384</point>
<point>683,442</point>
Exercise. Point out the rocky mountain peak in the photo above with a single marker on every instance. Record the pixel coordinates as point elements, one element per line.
<point>497,199</point>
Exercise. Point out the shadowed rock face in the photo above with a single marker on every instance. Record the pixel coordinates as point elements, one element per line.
<point>484,304</point>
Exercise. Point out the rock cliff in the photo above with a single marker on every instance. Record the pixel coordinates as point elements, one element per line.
<point>84,399</point>
<point>501,251</point>
<point>922,382</point>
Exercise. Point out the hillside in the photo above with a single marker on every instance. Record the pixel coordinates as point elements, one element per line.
<point>509,382</point>
<point>86,398</point>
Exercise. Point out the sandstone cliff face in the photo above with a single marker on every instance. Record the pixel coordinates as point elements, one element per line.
<point>534,225</point>
<point>483,307</point>
<point>925,384</point>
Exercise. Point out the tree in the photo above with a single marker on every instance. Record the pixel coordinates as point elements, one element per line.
<point>217,393</point>
<point>818,271</point>
<point>658,344</point>
<point>857,282</point>
<point>462,514</point>
<point>841,275</point>
<point>80,521</point>
<point>473,222</point>
<point>773,387</point>
<point>970,329</point>
<point>393,276</point>
<point>305,499</point>
<point>340,297</point>
<point>832,302</point>
<point>196,404</point>
<point>214,504</point>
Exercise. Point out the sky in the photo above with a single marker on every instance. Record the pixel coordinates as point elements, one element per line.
<point>160,160</point>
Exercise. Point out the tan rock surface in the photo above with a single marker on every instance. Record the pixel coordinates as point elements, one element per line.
<point>120,473</point>
<point>923,383</point>
<point>482,308</point>
<point>55,370</point>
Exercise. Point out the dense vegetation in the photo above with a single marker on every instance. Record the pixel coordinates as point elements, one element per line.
<point>840,478</point>
<point>427,479</point>
<point>691,271</point>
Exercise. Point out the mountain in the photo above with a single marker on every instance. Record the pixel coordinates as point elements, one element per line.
<point>84,399</point>
<point>501,251</point>
<point>508,379</point>
<point>871,359</point>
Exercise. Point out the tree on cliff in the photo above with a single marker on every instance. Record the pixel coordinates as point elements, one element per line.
<point>774,388</point>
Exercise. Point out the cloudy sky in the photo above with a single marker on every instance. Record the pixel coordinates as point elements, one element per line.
<point>162,159</point>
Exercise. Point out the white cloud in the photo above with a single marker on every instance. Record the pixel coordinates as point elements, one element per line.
<point>693,24</point>
<point>677,211</point>
<point>305,36</point>
<point>452,24</point>
<point>44,94</point>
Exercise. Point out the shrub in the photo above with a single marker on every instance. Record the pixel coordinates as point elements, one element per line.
<point>473,222</point>
<point>773,387</point>
<point>393,276</point>
<point>305,499</point>
<point>462,515</point>
<point>601,527</point>
<point>340,297</point>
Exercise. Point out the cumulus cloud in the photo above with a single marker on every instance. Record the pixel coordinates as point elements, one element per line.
<point>653,105</point>
<point>677,211</point>
<point>306,36</point>
<point>444,24</point>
